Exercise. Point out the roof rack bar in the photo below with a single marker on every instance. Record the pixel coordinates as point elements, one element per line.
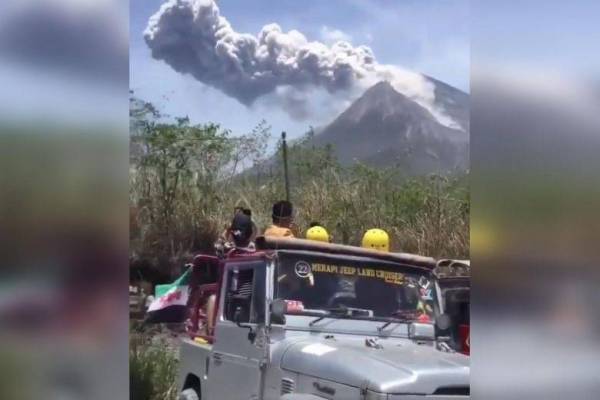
<point>277,243</point>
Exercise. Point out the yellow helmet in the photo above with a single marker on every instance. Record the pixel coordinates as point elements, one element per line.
<point>377,239</point>
<point>317,233</point>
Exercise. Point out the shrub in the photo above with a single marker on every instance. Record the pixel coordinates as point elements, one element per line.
<point>152,370</point>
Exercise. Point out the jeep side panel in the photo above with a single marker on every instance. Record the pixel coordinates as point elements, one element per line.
<point>194,365</point>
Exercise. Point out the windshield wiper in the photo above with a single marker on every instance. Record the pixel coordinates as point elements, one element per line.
<point>393,320</point>
<point>343,312</point>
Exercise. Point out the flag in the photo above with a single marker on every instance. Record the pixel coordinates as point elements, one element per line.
<point>170,303</point>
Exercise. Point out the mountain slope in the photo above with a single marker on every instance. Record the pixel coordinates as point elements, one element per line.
<point>384,127</point>
<point>455,102</point>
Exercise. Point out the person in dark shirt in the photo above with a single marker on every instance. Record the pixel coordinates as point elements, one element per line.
<point>241,231</point>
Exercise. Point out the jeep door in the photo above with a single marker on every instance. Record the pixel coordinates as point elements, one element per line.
<point>235,372</point>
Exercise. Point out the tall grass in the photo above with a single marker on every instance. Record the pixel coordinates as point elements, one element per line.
<point>152,370</point>
<point>428,216</point>
<point>423,215</point>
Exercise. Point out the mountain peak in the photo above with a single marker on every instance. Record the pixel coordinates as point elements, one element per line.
<point>383,100</point>
<point>385,127</point>
<point>381,86</point>
<point>381,89</point>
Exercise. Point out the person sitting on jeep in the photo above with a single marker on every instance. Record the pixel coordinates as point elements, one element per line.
<point>241,231</point>
<point>239,234</point>
<point>255,231</point>
<point>282,220</point>
<point>248,212</point>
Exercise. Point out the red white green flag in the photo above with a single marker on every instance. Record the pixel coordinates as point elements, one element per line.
<point>170,303</point>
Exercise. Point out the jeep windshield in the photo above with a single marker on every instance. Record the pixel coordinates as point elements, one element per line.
<point>354,287</point>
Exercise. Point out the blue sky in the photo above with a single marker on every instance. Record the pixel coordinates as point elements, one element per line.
<point>431,37</point>
<point>550,36</point>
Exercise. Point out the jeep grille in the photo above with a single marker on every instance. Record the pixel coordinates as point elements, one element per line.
<point>287,386</point>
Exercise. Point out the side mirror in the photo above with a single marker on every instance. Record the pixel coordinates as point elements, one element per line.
<point>278,310</point>
<point>443,322</point>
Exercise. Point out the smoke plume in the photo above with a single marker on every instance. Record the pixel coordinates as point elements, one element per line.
<point>193,38</point>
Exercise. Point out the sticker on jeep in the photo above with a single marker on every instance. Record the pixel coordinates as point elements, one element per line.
<point>426,294</point>
<point>302,269</point>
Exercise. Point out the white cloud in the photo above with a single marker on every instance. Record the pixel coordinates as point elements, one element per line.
<point>331,35</point>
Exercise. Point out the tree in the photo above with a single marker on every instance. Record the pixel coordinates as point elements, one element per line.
<point>178,174</point>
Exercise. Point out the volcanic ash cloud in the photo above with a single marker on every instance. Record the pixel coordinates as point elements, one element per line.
<point>193,38</point>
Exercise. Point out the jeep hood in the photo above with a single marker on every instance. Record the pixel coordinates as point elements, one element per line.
<point>397,367</point>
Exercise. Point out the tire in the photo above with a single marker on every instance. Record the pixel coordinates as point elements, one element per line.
<point>189,394</point>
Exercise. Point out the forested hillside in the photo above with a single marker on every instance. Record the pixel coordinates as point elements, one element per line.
<point>185,180</point>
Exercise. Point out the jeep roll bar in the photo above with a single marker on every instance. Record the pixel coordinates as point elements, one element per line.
<point>449,269</point>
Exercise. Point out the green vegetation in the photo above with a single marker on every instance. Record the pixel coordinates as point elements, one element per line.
<point>152,370</point>
<point>186,179</point>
